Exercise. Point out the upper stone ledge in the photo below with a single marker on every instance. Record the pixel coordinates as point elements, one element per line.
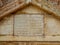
<point>6,2</point>
<point>48,6</point>
<point>11,7</point>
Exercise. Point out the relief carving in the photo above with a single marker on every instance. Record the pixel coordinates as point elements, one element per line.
<point>29,24</point>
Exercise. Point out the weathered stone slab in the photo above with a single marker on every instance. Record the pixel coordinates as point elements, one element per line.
<point>52,26</point>
<point>28,25</point>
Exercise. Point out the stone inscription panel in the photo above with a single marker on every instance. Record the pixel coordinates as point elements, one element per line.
<point>28,25</point>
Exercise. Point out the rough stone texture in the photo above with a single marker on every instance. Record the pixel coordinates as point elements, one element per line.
<point>6,26</point>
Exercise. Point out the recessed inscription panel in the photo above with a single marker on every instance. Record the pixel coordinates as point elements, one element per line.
<point>28,25</point>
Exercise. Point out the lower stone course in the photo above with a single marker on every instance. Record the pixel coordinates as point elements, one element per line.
<point>29,43</point>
